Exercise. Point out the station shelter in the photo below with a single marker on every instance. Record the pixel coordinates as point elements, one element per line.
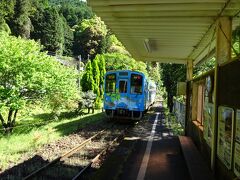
<point>190,32</point>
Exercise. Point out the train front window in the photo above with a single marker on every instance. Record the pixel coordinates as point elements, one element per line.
<point>122,86</point>
<point>110,83</point>
<point>136,84</point>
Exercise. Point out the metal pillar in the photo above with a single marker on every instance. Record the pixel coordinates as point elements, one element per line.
<point>223,55</point>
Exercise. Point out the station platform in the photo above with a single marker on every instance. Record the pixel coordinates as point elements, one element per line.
<point>152,152</point>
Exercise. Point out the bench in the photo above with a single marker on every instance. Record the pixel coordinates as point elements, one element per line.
<point>197,168</point>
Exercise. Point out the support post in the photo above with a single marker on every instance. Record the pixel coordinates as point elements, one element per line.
<point>189,70</point>
<point>223,55</point>
<point>188,93</point>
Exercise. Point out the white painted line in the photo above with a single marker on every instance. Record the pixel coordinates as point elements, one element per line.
<point>143,168</point>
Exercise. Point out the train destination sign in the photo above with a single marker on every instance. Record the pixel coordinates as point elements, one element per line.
<point>111,77</point>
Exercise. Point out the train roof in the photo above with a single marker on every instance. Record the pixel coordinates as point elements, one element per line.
<point>116,71</point>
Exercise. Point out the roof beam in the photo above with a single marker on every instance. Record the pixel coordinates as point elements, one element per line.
<point>160,38</point>
<point>160,19</point>
<point>165,7</point>
<point>164,59</point>
<point>187,13</point>
<point>159,28</point>
<point>131,2</point>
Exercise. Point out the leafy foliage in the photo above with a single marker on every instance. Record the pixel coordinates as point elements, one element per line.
<point>154,72</point>
<point>96,78</point>
<point>88,100</point>
<point>89,36</point>
<point>28,75</point>
<point>87,81</point>
<point>205,67</point>
<point>117,61</point>
<point>4,26</point>
<point>236,41</point>
<point>74,11</point>
<point>102,69</point>
<point>171,74</point>
<point>21,23</point>
<point>49,29</point>
<point>113,45</point>
<point>7,8</point>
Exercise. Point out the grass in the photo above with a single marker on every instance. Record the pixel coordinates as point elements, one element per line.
<point>36,130</point>
<point>172,122</point>
<point>175,126</point>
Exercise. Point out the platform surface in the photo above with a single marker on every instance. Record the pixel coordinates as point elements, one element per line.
<point>151,152</point>
<point>165,158</point>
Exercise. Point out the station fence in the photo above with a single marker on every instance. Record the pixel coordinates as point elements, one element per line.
<point>179,109</point>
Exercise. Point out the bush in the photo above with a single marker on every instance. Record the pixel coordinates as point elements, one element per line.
<point>29,75</point>
<point>88,100</point>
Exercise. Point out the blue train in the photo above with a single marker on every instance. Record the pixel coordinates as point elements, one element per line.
<point>127,94</point>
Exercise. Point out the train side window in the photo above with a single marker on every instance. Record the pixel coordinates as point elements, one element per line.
<point>123,86</point>
<point>110,86</point>
<point>136,84</point>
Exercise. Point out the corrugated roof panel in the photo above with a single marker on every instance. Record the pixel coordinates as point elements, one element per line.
<point>180,29</point>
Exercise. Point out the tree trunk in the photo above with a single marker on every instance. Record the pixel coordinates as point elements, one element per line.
<point>14,117</point>
<point>2,120</point>
<point>170,102</point>
<point>10,113</point>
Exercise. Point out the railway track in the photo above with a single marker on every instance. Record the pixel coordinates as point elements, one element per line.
<point>66,166</point>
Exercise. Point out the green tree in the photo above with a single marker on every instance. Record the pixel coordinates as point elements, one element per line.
<point>4,26</point>
<point>117,61</point>
<point>20,23</point>
<point>113,45</point>
<point>96,77</point>
<point>68,38</point>
<point>102,69</point>
<point>48,28</point>
<point>7,8</point>
<point>73,10</point>
<point>154,72</point>
<point>171,74</point>
<point>87,81</point>
<point>89,37</point>
<point>28,75</point>
<point>6,13</point>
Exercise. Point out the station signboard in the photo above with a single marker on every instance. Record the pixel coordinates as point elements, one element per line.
<point>225,135</point>
<point>237,145</point>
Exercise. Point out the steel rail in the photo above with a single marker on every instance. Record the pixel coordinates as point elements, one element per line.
<point>98,156</point>
<point>65,155</point>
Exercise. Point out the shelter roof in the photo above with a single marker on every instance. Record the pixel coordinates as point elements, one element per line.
<point>166,30</point>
